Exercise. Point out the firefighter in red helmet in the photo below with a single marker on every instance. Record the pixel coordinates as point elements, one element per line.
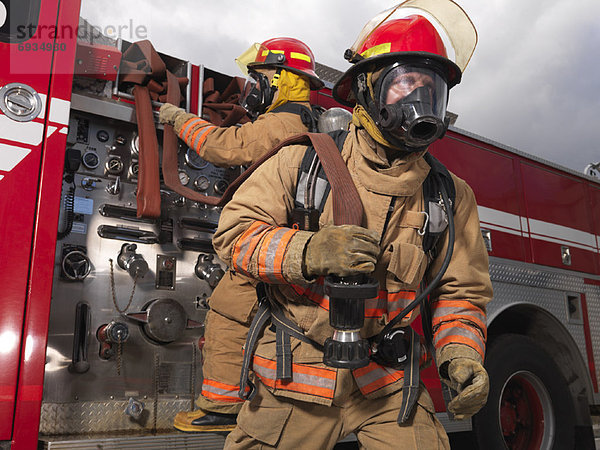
<point>281,74</point>
<point>301,397</point>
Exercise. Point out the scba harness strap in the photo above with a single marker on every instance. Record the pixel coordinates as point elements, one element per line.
<point>309,116</point>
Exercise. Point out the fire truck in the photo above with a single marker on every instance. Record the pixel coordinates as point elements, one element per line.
<point>93,355</point>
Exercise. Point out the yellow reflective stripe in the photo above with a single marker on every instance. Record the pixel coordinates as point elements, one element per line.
<point>380,49</point>
<point>266,52</point>
<point>301,56</point>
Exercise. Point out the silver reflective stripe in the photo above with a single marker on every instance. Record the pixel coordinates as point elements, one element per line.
<point>302,378</point>
<point>271,252</point>
<point>456,331</point>
<point>189,126</point>
<point>245,245</point>
<point>375,375</point>
<point>452,310</point>
<point>200,134</point>
<point>216,390</point>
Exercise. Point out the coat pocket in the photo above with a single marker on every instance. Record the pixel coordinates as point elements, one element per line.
<point>265,423</point>
<point>235,298</point>
<point>407,267</point>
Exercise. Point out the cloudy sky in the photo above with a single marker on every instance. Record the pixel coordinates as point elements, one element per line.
<point>533,82</point>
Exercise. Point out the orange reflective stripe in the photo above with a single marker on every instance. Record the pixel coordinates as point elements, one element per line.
<point>323,380</point>
<point>446,329</point>
<point>374,377</point>
<point>221,398</point>
<point>458,318</point>
<point>462,304</point>
<point>246,244</point>
<point>401,295</point>
<point>309,293</point>
<point>204,130</point>
<point>187,126</point>
<point>222,392</point>
<point>198,122</point>
<point>280,254</point>
<point>218,384</point>
<point>204,136</point>
<point>460,340</point>
<point>272,252</point>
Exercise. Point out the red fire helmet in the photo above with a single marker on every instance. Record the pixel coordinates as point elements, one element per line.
<point>286,53</point>
<point>410,37</point>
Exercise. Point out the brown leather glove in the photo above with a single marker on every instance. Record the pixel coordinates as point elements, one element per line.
<point>341,250</point>
<point>168,113</point>
<point>471,381</point>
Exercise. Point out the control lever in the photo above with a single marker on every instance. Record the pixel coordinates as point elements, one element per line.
<point>132,262</point>
<point>347,297</point>
<point>79,362</point>
<point>207,270</point>
<point>115,187</point>
<point>89,184</point>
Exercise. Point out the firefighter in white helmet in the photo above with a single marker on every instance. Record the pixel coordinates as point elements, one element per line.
<point>281,74</point>
<point>399,84</point>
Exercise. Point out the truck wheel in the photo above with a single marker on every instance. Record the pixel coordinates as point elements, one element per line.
<point>529,406</point>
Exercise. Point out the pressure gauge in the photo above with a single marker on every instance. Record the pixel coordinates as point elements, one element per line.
<point>134,168</point>
<point>221,186</point>
<point>201,183</point>
<point>184,178</point>
<point>102,135</point>
<point>114,165</point>
<point>90,160</point>
<point>194,160</point>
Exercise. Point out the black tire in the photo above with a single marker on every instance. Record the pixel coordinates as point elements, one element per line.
<point>529,406</point>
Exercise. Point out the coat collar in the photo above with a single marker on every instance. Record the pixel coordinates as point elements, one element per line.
<point>368,161</point>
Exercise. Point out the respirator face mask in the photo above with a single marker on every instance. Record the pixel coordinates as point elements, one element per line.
<point>257,94</point>
<point>412,103</point>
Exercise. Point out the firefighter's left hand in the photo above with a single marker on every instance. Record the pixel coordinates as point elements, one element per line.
<point>168,113</point>
<point>471,381</point>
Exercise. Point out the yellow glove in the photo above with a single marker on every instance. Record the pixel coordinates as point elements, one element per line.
<point>341,250</point>
<point>168,113</point>
<point>471,381</point>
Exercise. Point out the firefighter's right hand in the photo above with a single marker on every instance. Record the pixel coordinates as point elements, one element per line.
<point>341,250</point>
<point>168,113</point>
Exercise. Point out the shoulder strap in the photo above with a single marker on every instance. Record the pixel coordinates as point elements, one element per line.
<point>437,219</point>
<point>309,116</point>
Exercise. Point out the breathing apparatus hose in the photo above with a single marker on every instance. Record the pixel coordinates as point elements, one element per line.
<point>446,262</point>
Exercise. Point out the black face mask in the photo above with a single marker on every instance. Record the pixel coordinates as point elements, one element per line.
<point>410,106</point>
<point>258,94</point>
<point>413,119</point>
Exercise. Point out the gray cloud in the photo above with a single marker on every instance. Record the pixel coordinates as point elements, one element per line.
<point>533,82</point>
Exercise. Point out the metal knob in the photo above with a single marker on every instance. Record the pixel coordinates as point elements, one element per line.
<point>209,271</point>
<point>132,262</point>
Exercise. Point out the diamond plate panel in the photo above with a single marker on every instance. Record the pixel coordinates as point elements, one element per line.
<point>156,442</point>
<point>107,416</point>
<point>547,288</point>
